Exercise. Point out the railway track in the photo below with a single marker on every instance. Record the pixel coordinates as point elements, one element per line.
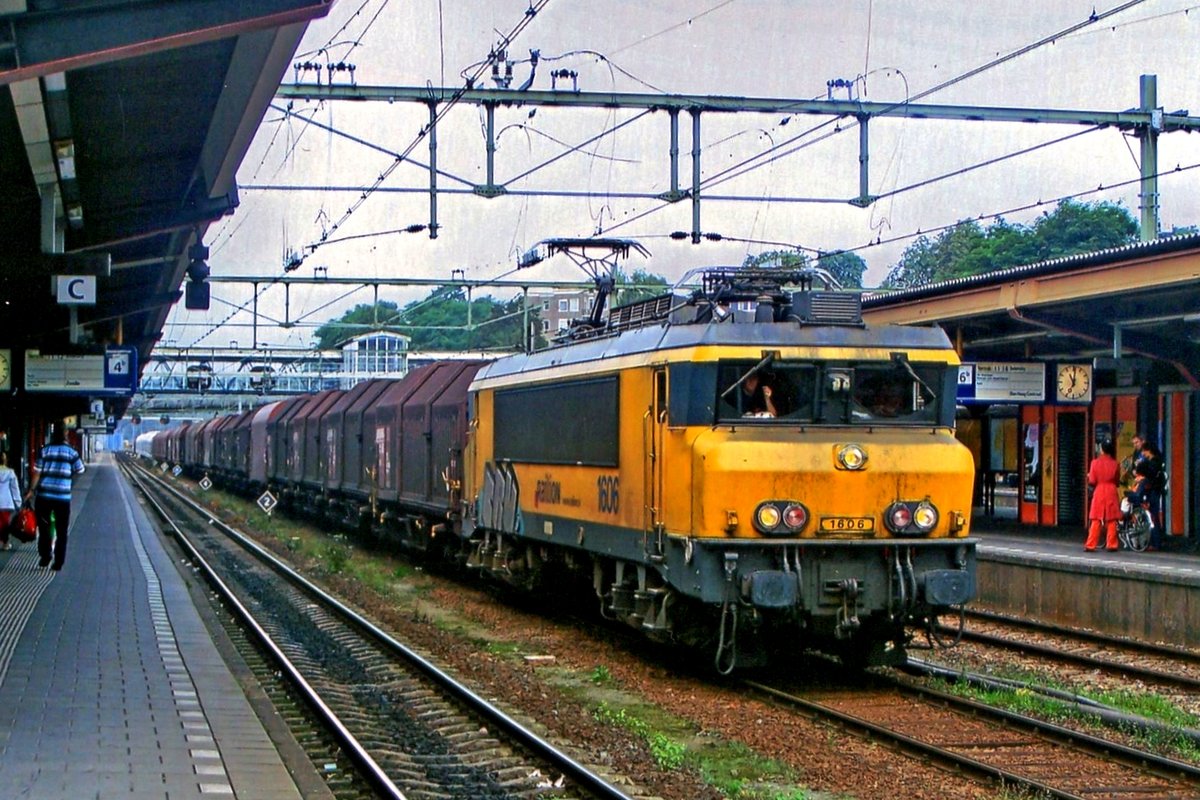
<point>1017,751</point>
<point>1160,664</point>
<point>410,729</point>
<point>982,742</point>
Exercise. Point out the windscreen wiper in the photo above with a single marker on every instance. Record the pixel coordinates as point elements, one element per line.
<point>901,359</point>
<point>767,359</point>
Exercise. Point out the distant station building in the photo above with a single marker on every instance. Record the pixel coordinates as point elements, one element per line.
<point>378,354</point>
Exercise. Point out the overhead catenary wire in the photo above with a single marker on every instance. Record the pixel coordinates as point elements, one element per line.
<point>772,152</point>
<point>1093,19</point>
<point>373,146</point>
<point>789,245</point>
<point>506,41</point>
<point>332,42</point>
<point>987,162</point>
<point>747,165</point>
<point>719,237</point>
<point>534,8</point>
<point>1016,209</point>
<point>683,24</point>
<point>620,220</point>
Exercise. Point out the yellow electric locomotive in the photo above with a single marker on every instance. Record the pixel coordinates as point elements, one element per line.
<point>747,466</point>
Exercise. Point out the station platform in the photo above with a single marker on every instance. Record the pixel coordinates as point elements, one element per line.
<point>110,683</point>
<point>1045,573</point>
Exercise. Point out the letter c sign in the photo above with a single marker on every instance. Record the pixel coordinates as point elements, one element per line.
<point>76,290</point>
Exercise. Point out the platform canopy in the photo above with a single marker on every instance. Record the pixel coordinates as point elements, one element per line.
<point>122,125</point>
<point>1130,313</point>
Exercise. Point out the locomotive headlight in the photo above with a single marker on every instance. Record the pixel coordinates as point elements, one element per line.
<point>911,518</point>
<point>925,517</point>
<point>852,457</point>
<point>767,517</point>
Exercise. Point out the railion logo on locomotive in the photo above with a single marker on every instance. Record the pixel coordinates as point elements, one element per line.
<point>548,492</point>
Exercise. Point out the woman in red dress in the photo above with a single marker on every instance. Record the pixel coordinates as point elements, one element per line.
<point>1103,474</point>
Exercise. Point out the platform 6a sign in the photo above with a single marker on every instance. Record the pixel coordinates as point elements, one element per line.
<point>1002,382</point>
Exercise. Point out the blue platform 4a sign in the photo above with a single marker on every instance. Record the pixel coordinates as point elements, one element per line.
<point>113,374</point>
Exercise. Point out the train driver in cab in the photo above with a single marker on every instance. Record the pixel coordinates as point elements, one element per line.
<point>882,396</point>
<point>759,396</point>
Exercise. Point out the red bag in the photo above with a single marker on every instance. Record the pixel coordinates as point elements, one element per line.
<point>24,525</point>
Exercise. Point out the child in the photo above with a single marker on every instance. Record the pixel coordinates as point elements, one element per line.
<point>10,499</point>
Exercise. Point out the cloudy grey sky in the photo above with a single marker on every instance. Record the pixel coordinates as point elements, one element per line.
<point>891,49</point>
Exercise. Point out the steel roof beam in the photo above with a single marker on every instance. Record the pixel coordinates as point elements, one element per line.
<point>1135,118</point>
<point>42,42</point>
<point>1181,353</point>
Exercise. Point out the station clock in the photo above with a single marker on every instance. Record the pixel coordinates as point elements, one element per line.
<point>1073,383</point>
<point>5,370</point>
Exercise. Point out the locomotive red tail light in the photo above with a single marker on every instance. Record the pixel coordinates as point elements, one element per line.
<point>795,516</point>
<point>899,517</point>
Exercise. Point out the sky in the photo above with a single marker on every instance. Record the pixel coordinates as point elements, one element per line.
<point>889,50</point>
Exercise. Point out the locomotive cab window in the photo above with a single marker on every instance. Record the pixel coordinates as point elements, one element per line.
<point>895,392</point>
<point>899,392</point>
<point>755,391</point>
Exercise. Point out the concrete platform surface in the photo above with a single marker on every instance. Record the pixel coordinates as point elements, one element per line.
<point>110,684</point>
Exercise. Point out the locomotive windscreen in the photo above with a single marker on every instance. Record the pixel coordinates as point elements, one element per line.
<point>562,423</point>
<point>849,392</point>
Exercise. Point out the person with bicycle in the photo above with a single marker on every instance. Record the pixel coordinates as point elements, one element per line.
<point>1147,488</point>
<point>1104,511</point>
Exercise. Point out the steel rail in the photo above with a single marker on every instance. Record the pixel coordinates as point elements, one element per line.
<point>925,748</point>
<point>575,771</point>
<point>362,759</point>
<point>1160,766</point>
<point>1130,756</point>
<point>1096,637</point>
<point>1086,660</point>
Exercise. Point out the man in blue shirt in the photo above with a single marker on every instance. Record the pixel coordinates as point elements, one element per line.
<point>56,467</point>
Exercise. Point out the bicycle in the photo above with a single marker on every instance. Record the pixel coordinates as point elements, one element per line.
<point>1133,528</point>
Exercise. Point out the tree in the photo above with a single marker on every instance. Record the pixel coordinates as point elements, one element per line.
<point>968,249</point>
<point>847,268</point>
<point>439,322</point>
<point>783,259</point>
<point>625,293</point>
<point>1076,227</point>
<point>358,320</point>
<point>915,267</point>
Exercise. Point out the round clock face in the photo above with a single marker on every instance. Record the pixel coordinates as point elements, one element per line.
<point>1074,381</point>
<point>5,368</point>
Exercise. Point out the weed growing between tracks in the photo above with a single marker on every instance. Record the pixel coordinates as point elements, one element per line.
<point>730,767</point>
<point>1134,701</point>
